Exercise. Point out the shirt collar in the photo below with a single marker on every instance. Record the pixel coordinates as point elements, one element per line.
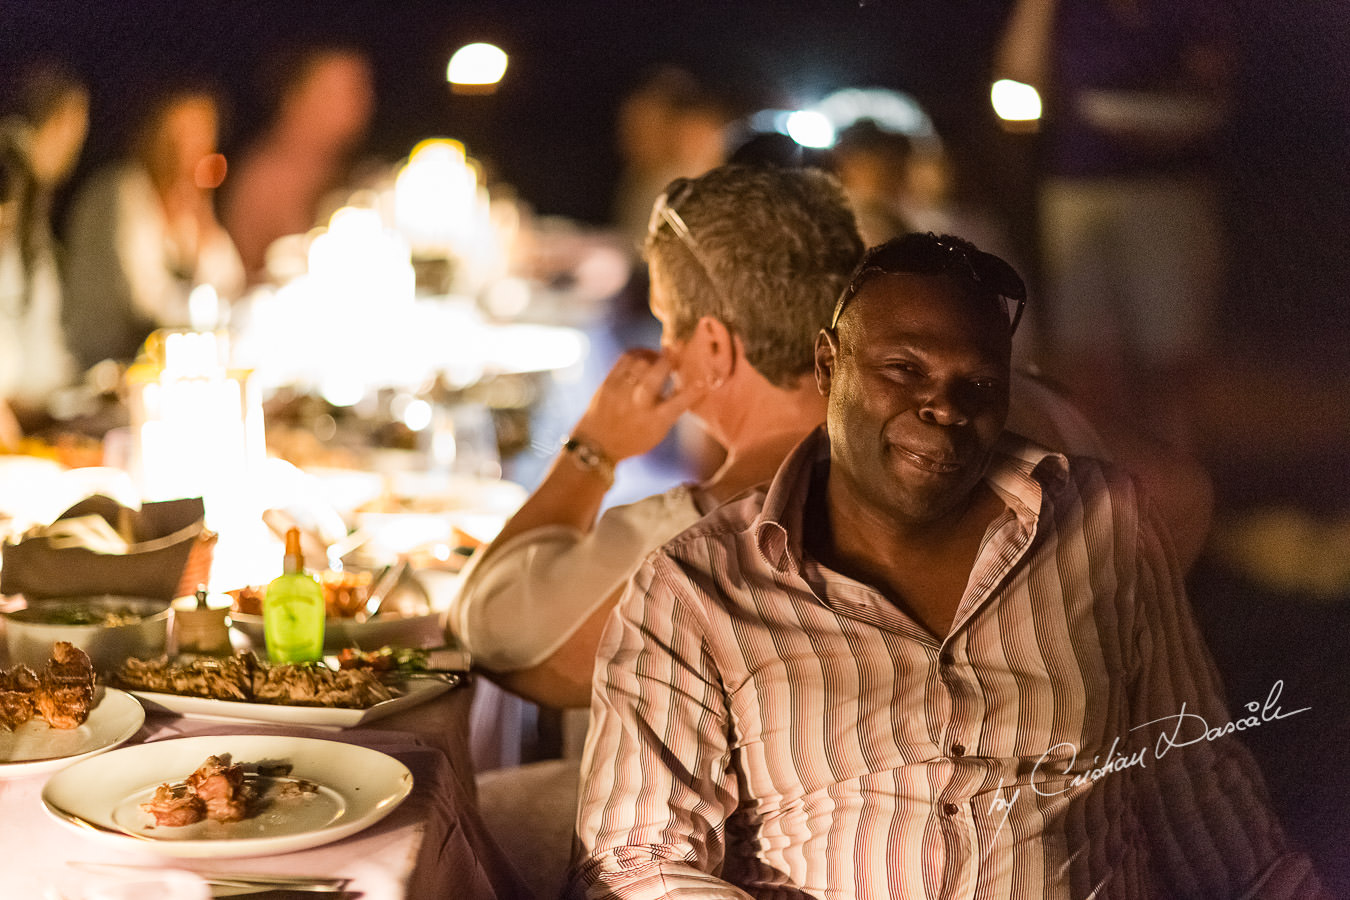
<point>1019,471</point>
<point>778,527</point>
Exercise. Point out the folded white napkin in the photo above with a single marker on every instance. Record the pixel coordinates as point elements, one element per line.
<point>90,532</point>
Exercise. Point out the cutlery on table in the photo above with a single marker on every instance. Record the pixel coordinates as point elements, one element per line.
<point>237,883</point>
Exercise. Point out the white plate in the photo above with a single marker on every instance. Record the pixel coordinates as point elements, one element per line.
<point>417,690</point>
<point>357,787</point>
<point>35,747</point>
<point>417,632</point>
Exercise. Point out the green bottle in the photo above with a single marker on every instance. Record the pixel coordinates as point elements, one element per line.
<point>293,610</point>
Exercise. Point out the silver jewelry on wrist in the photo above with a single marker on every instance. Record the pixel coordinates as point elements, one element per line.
<point>588,457</point>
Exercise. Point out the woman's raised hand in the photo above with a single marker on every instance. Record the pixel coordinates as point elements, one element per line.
<point>635,406</point>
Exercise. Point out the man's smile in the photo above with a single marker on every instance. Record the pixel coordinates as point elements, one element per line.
<point>941,462</point>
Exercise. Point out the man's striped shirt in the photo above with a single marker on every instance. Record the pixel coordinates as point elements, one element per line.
<point>765,726</point>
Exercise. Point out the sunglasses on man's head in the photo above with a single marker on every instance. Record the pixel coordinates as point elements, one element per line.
<point>929,254</point>
<point>664,212</point>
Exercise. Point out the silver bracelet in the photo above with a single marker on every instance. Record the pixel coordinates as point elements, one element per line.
<point>589,458</point>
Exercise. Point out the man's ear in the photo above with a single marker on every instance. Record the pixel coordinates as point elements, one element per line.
<point>827,351</point>
<point>719,346</point>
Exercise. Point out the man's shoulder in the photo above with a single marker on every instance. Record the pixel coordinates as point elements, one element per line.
<point>1043,479</point>
<point>1100,490</point>
<point>1092,475</point>
<point>1052,468</point>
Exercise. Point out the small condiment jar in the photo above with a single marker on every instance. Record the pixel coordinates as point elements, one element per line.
<point>202,624</point>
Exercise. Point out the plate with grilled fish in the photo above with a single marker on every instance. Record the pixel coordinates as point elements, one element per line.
<point>241,688</point>
<point>55,715</point>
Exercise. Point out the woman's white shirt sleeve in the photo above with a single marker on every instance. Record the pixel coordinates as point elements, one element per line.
<point>520,601</point>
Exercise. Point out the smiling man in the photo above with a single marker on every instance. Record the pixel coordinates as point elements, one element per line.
<point>911,665</point>
<point>915,413</point>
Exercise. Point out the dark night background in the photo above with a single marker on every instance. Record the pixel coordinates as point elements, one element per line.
<point>549,130</point>
<point>1280,436</point>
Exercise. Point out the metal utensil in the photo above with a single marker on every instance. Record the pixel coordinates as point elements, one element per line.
<point>383,585</point>
<point>244,888</point>
<point>340,548</point>
<point>245,882</point>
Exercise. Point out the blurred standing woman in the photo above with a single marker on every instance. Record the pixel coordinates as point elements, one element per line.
<point>321,99</point>
<point>143,232</point>
<point>42,128</point>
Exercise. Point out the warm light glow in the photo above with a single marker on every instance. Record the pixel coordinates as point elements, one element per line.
<point>435,198</point>
<point>476,64</point>
<point>195,354</point>
<point>339,327</point>
<point>342,390</point>
<point>810,129</point>
<point>1014,101</point>
<point>361,258</point>
<point>204,308</point>
<point>209,172</point>
<point>197,430</point>
<point>417,415</point>
<point>531,348</point>
<point>507,298</point>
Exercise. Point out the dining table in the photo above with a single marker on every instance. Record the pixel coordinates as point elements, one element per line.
<point>434,844</point>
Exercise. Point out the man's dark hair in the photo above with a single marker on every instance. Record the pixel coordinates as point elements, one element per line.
<point>982,274</point>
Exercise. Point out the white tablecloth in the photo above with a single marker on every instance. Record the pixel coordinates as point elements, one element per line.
<point>433,846</point>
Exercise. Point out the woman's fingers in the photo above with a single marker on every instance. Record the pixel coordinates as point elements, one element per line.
<point>637,404</point>
<point>631,367</point>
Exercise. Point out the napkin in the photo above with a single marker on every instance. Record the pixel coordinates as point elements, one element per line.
<point>162,550</point>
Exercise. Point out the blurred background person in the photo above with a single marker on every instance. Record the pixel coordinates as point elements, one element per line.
<point>872,163</point>
<point>898,183</point>
<point>321,100</point>
<point>43,123</point>
<point>1136,95</point>
<point>143,232</point>
<point>670,126</point>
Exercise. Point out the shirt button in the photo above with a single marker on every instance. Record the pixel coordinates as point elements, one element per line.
<point>958,749</point>
<point>950,809</point>
<point>945,658</point>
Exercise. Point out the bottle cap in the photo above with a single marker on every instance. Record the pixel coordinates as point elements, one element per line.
<point>295,557</point>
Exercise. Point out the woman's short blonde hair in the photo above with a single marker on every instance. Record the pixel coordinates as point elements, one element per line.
<point>767,251</point>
